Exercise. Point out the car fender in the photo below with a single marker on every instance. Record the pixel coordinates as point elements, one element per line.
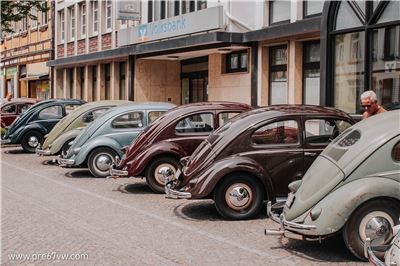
<point>337,207</point>
<point>58,143</point>
<point>208,179</point>
<point>101,141</point>
<point>18,135</point>
<point>139,164</point>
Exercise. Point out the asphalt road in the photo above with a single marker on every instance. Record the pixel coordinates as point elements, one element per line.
<point>48,212</point>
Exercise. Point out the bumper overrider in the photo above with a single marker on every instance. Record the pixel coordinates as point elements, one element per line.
<point>42,152</point>
<point>116,173</point>
<point>169,189</point>
<point>65,162</point>
<point>289,229</point>
<point>5,141</point>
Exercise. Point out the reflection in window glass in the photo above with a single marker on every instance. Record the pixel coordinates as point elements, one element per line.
<point>70,108</point>
<point>25,107</point>
<point>323,130</point>
<point>93,115</point>
<point>346,18</point>
<point>153,115</point>
<point>278,75</point>
<point>52,112</point>
<point>391,12</point>
<point>223,118</point>
<point>349,71</point>
<point>196,123</point>
<point>311,72</point>
<point>312,7</point>
<point>9,109</point>
<point>129,120</point>
<point>282,132</point>
<point>279,11</point>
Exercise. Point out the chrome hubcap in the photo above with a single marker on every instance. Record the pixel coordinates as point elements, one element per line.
<point>158,173</point>
<point>239,196</point>
<point>377,227</point>
<point>103,162</point>
<point>33,141</point>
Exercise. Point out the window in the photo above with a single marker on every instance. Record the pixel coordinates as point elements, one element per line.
<point>277,133</point>
<point>201,4</point>
<point>278,75</point>
<point>390,43</point>
<point>34,21</point>
<point>199,123</point>
<point>83,20</point>
<point>109,14</point>
<point>223,118</point>
<point>355,48</point>
<point>311,72</point>
<point>72,25</point>
<point>81,81</point>
<point>25,107</point>
<point>95,18</point>
<point>153,115</point>
<point>93,115</point>
<point>396,152</point>
<point>107,78</point>
<point>188,6</point>
<point>237,62</point>
<point>150,11</point>
<point>312,7</point>
<point>9,109</point>
<point>279,11</point>
<point>24,24</point>
<point>123,23</point>
<point>122,84</point>
<point>62,25</point>
<point>44,17</point>
<point>16,27</point>
<point>94,83</point>
<point>172,8</point>
<point>323,131</point>
<point>52,112</point>
<point>129,120</point>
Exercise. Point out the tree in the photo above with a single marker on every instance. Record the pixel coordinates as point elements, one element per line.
<point>13,11</point>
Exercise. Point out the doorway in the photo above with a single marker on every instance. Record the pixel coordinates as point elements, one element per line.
<point>194,80</point>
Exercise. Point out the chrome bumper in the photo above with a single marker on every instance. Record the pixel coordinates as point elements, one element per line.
<point>41,152</point>
<point>115,173</point>
<point>290,229</point>
<point>369,254</point>
<point>5,141</point>
<point>176,194</point>
<point>65,162</point>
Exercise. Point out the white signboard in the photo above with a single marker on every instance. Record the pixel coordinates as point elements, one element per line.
<point>128,10</point>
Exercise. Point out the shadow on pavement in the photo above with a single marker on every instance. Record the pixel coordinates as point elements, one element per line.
<point>203,210</point>
<point>84,173</point>
<point>332,249</point>
<point>136,188</point>
<point>50,162</point>
<point>16,151</point>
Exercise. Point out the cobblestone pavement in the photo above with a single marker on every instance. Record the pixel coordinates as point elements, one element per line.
<point>50,210</point>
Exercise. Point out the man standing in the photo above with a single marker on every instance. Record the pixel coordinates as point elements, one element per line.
<point>369,103</point>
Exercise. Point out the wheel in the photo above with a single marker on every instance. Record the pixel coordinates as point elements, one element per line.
<point>154,177</point>
<point>65,148</point>
<point>100,160</point>
<point>374,219</point>
<point>239,196</point>
<point>31,140</point>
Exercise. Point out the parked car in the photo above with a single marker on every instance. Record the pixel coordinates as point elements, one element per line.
<point>67,129</point>
<point>353,187</point>
<point>175,135</point>
<point>256,155</point>
<point>11,110</point>
<point>100,142</point>
<point>31,127</point>
<point>392,250</point>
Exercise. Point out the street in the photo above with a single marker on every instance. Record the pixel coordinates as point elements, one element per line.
<point>48,209</point>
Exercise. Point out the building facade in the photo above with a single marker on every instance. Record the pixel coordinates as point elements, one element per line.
<point>24,55</point>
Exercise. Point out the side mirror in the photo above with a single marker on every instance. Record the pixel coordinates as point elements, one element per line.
<point>88,118</point>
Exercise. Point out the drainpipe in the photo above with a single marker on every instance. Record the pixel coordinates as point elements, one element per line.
<point>53,7</point>
<point>254,74</point>
<point>131,77</point>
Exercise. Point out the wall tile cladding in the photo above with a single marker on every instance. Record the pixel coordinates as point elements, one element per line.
<point>106,41</point>
<point>60,50</point>
<point>93,44</point>
<point>70,48</point>
<point>81,46</point>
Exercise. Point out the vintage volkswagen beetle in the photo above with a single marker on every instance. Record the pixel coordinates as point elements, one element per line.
<point>256,155</point>
<point>175,135</point>
<point>353,187</point>
<point>101,141</point>
<point>11,110</point>
<point>61,136</point>
<point>30,128</point>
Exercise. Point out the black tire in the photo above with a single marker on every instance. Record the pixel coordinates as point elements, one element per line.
<point>245,184</point>
<point>31,140</point>
<point>65,148</point>
<point>98,161</point>
<point>156,182</point>
<point>352,236</point>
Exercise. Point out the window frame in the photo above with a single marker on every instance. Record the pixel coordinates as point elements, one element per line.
<point>83,15</point>
<point>109,20</point>
<point>34,22</point>
<point>44,17</point>
<point>276,68</point>
<point>239,53</point>
<point>270,11</point>
<point>62,26</point>
<point>72,28</point>
<point>127,113</point>
<point>95,14</point>
<point>309,66</point>
<point>278,145</point>
<point>206,133</point>
<point>305,4</point>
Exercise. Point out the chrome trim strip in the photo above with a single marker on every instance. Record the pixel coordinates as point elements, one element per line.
<point>175,194</point>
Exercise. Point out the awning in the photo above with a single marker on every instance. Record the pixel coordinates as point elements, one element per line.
<point>35,77</point>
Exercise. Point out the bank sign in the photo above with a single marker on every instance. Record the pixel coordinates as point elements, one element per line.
<point>200,21</point>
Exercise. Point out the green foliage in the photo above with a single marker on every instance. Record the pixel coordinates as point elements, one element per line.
<point>12,11</point>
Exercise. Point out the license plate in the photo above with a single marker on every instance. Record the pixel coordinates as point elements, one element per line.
<point>177,174</point>
<point>290,199</point>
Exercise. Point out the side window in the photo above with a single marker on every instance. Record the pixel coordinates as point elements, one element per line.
<point>281,132</point>
<point>223,118</point>
<point>396,152</point>
<point>69,108</point>
<point>9,109</point>
<point>129,120</point>
<point>52,112</point>
<point>24,107</point>
<point>323,131</point>
<point>153,115</point>
<point>195,123</point>
<point>93,115</point>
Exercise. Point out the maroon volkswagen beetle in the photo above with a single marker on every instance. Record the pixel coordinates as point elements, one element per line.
<point>11,110</point>
<point>255,156</point>
<point>174,135</point>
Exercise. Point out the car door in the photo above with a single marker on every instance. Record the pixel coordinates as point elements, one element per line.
<point>192,129</point>
<point>49,116</point>
<point>126,127</point>
<point>318,133</point>
<point>8,114</point>
<point>277,147</point>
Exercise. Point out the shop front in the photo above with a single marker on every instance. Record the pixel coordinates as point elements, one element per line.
<point>35,84</point>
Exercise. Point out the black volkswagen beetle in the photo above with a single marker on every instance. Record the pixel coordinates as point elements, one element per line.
<point>31,127</point>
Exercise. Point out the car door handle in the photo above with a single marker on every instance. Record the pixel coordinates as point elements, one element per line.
<point>310,153</point>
